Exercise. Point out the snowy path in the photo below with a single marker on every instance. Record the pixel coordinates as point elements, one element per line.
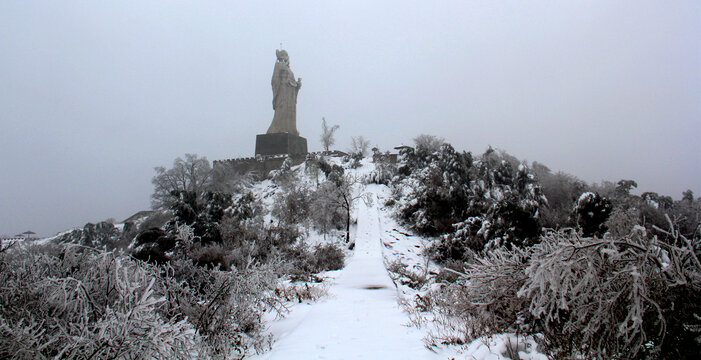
<point>360,319</point>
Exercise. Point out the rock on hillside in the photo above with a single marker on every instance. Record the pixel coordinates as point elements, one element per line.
<point>102,234</point>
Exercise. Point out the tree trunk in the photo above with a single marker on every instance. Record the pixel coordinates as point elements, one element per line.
<point>348,209</point>
<point>347,225</point>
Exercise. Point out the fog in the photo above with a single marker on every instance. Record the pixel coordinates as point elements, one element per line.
<point>93,95</point>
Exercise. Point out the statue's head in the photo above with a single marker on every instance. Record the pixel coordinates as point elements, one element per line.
<point>282,56</point>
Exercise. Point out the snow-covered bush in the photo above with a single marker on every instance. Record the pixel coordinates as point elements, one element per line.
<point>562,191</point>
<point>87,304</point>
<point>302,262</point>
<point>625,297</point>
<point>437,190</point>
<point>242,221</point>
<point>621,221</point>
<point>152,245</point>
<point>224,306</point>
<point>483,300</point>
<point>481,204</point>
<point>328,257</point>
<point>399,272</point>
<point>591,211</point>
<point>293,205</point>
<point>284,176</point>
<point>385,168</point>
<point>686,214</point>
<point>615,297</point>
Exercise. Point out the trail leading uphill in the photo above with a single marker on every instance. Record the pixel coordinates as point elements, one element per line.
<point>360,319</point>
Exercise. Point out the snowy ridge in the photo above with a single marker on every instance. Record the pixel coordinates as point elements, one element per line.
<point>366,315</point>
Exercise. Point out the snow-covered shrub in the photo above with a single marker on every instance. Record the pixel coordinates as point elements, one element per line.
<point>469,236</point>
<point>224,306</point>
<point>213,256</point>
<point>203,214</point>
<point>242,220</point>
<point>311,167</point>
<point>299,292</point>
<point>621,221</point>
<point>615,298</point>
<point>686,214</point>
<point>385,168</point>
<point>355,160</point>
<point>284,176</point>
<point>87,304</point>
<point>562,191</point>
<point>153,245</point>
<point>399,272</point>
<point>305,262</point>
<point>591,212</point>
<point>624,297</point>
<point>325,214</point>
<point>483,300</point>
<point>483,206</point>
<point>84,302</point>
<point>328,257</point>
<point>438,189</point>
<point>451,270</point>
<point>293,205</point>
<point>332,172</point>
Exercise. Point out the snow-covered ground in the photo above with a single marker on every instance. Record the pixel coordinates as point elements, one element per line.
<point>360,318</point>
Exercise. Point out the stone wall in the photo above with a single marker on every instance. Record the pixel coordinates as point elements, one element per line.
<point>260,166</point>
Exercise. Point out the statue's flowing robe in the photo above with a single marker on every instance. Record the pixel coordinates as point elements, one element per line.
<point>285,89</point>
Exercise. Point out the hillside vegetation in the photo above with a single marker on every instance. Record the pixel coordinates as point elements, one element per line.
<point>586,270</point>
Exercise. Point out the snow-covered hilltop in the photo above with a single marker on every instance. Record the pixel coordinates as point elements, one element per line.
<point>431,254</point>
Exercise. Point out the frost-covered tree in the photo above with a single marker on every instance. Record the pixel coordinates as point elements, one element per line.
<point>227,179</point>
<point>504,203</point>
<point>623,187</point>
<point>591,211</point>
<point>688,196</point>
<point>436,194</point>
<point>327,132</point>
<point>428,144</point>
<point>338,194</point>
<point>562,191</point>
<point>193,174</point>
<point>492,200</point>
<point>360,145</point>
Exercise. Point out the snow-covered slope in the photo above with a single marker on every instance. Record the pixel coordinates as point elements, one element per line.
<point>360,319</point>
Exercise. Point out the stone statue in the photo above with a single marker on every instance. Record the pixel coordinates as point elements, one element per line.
<point>285,89</point>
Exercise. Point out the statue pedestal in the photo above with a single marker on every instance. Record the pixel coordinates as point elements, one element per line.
<point>280,143</point>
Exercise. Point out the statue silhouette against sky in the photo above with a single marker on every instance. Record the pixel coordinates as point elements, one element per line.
<point>285,89</point>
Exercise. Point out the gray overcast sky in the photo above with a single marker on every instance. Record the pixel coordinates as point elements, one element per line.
<point>93,95</point>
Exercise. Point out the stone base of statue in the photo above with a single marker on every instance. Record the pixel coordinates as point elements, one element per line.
<point>280,143</point>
